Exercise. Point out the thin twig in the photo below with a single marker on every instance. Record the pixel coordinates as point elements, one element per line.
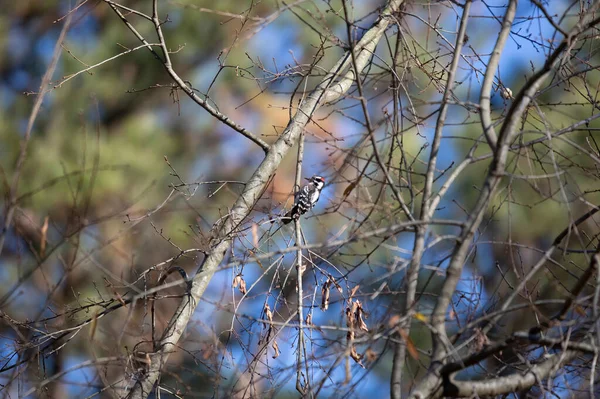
<point>166,62</point>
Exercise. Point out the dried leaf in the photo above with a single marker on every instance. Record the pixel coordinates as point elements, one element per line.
<point>239,282</point>
<point>371,355</point>
<point>349,189</point>
<point>302,269</point>
<point>260,264</point>
<point>354,355</point>
<point>338,286</point>
<point>349,318</point>
<point>310,323</point>
<point>44,238</point>
<point>120,298</point>
<point>410,345</point>
<point>352,186</point>
<point>358,314</point>
<point>255,235</point>
<point>252,254</point>
<point>354,291</point>
<point>276,349</point>
<point>361,324</point>
<point>268,312</point>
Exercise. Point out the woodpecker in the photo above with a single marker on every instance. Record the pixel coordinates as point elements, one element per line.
<point>305,199</point>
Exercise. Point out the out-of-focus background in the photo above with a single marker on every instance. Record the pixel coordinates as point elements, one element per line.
<point>122,172</point>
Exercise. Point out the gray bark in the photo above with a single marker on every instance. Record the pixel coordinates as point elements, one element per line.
<point>327,90</point>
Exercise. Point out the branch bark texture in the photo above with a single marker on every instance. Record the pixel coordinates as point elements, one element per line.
<point>327,90</point>
<point>431,383</point>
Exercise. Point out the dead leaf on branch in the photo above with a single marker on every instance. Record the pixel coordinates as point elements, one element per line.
<point>310,323</point>
<point>240,283</point>
<point>353,291</point>
<point>352,319</point>
<point>276,349</point>
<point>337,285</point>
<point>358,314</point>
<point>349,189</point>
<point>349,318</point>
<point>352,186</point>
<point>370,355</point>
<point>268,312</point>
<point>355,356</point>
<point>258,262</point>
<point>268,325</point>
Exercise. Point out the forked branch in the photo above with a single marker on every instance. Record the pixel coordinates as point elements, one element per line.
<point>246,201</point>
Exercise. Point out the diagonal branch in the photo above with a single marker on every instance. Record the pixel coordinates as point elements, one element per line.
<point>363,51</point>
<point>427,210</point>
<point>488,80</point>
<point>37,105</point>
<point>166,62</point>
<point>430,384</point>
<point>244,205</point>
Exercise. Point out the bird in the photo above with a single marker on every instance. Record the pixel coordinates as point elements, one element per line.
<point>305,199</point>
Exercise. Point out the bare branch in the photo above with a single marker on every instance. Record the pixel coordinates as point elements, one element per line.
<point>166,61</point>
<point>486,88</point>
<point>510,383</point>
<point>242,207</point>
<point>428,205</point>
<point>43,90</point>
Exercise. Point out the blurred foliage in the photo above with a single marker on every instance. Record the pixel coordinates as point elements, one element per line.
<point>114,144</point>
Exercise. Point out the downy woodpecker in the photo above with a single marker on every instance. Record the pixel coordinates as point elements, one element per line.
<point>305,199</point>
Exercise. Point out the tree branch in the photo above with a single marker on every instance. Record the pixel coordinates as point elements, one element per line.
<point>166,62</point>
<point>431,382</point>
<point>39,99</point>
<point>428,204</point>
<point>242,208</point>
<point>511,383</point>
<point>488,80</point>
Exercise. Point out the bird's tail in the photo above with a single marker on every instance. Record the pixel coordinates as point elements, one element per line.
<point>288,217</point>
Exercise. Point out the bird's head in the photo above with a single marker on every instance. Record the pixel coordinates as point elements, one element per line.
<point>318,181</point>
